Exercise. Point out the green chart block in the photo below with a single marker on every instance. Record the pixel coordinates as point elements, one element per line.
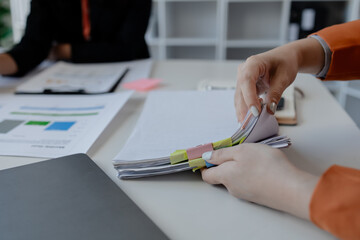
<point>38,123</point>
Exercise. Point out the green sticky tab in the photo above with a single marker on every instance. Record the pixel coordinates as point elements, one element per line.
<point>178,156</point>
<point>195,169</point>
<point>197,163</point>
<point>39,123</point>
<point>222,143</point>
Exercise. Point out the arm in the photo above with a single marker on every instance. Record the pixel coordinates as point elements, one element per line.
<point>273,72</point>
<point>276,69</point>
<point>335,204</point>
<point>129,43</point>
<point>263,175</point>
<point>36,42</point>
<point>344,43</point>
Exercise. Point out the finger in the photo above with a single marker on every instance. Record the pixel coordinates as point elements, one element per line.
<point>281,82</point>
<point>240,106</point>
<point>248,75</point>
<point>211,176</point>
<point>220,156</point>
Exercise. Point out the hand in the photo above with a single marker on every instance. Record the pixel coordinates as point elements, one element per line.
<point>60,52</point>
<point>261,174</point>
<point>272,72</point>
<point>7,64</point>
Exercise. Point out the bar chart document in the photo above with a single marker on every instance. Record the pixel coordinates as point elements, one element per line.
<point>55,125</point>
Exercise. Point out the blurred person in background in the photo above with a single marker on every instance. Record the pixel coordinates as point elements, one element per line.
<point>80,31</point>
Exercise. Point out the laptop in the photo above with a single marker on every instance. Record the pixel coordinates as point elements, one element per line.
<point>68,198</point>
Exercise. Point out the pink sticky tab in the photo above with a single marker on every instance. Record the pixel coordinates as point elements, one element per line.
<point>196,152</point>
<point>142,85</point>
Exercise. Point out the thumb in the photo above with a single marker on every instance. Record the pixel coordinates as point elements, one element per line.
<point>219,156</point>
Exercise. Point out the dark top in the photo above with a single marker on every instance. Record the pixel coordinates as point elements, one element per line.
<point>117,31</point>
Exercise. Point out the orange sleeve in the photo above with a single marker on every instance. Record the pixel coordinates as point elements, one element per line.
<point>335,204</point>
<point>344,43</point>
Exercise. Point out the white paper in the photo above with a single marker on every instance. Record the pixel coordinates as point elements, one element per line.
<point>56,125</point>
<point>179,120</point>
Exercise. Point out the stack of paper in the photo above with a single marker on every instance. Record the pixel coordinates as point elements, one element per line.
<point>181,120</point>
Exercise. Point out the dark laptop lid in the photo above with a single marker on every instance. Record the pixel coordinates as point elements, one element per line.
<point>68,198</point>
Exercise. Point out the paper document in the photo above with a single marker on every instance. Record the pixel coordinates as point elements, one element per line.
<point>182,120</point>
<point>76,78</point>
<point>56,125</point>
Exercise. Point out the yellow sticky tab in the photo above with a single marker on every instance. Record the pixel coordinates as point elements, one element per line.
<point>222,143</point>
<point>197,163</point>
<point>195,169</point>
<point>178,156</point>
<point>240,141</point>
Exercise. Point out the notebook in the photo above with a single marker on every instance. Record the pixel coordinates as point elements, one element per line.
<point>287,115</point>
<point>68,198</point>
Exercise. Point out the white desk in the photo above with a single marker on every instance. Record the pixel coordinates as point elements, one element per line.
<point>185,207</point>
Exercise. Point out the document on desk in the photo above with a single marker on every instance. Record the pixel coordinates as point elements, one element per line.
<point>183,120</point>
<point>55,125</point>
<point>63,77</point>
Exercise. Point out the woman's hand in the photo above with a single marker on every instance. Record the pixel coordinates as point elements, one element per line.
<point>261,174</point>
<point>272,72</point>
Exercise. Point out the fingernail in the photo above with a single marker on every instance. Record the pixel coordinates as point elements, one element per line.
<point>206,156</point>
<point>273,107</point>
<point>254,111</point>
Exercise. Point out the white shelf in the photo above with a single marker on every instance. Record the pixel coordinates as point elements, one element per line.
<point>253,43</point>
<point>190,19</point>
<point>191,52</point>
<point>190,42</point>
<point>254,20</point>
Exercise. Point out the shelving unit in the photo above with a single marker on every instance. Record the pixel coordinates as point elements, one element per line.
<point>234,29</point>
<point>230,29</point>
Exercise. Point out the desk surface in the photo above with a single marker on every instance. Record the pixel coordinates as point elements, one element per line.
<point>185,207</point>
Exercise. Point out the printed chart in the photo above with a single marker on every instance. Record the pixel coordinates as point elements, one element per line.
<point>53,126</point>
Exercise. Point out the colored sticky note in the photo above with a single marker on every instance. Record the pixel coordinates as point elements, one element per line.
<point>222,143</point>
<point>142,85</point>
<point>60,126</point>
<point>178,156</point>
<point>38,123</point>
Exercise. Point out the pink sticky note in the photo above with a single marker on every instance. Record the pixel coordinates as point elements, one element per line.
<point>142,85</point>
<point>196,152</point>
